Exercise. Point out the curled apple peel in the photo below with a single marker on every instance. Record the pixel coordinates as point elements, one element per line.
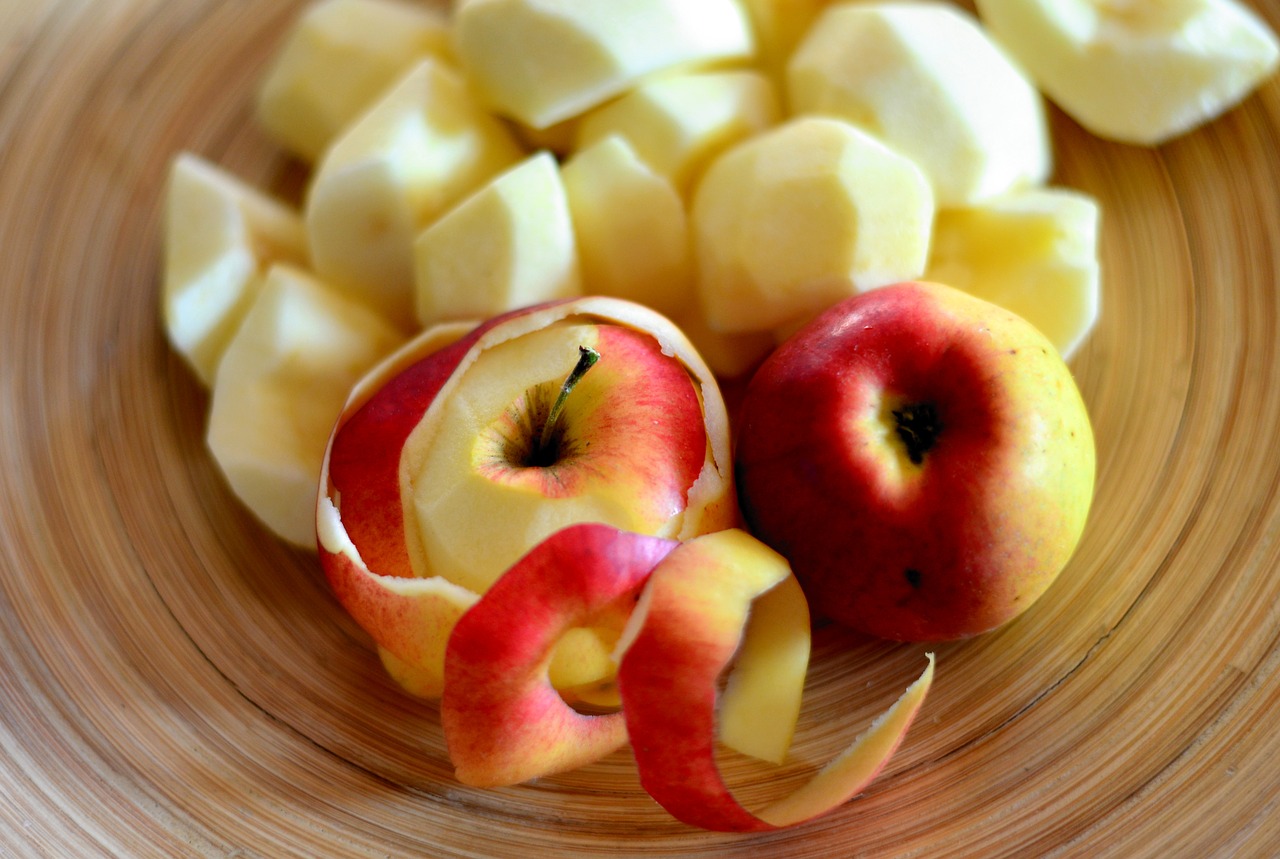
<point>683,635</point>
<point>504,722</point>
<point>691,609</point>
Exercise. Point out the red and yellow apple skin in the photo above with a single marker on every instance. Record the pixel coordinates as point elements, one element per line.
<point>683,636</point>
<point>923,459</point>
<point>370,544</point>
<point>504,722</point>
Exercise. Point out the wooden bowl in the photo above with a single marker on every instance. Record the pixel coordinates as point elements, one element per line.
<point>177,682</point>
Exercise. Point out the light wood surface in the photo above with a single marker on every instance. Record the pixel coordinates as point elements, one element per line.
<point>175,682</point>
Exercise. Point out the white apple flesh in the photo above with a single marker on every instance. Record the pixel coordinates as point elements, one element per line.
<point>800,216</point>
<point>1137,72</point>
<point>221,236</point>
<point>545,61</point>
<point>929,82</point>
<point>337,59</point>
<point>279,387</point>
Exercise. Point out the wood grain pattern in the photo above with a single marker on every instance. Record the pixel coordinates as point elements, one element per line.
<point>175,682</point>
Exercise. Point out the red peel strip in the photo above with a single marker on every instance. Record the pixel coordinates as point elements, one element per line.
<point>504,722</point>
<point>668,680</point>
<point>362,462</point>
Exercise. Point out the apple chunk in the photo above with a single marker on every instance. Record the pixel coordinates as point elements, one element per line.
<point>338,58</point>
<point>544,61</point>
<point>279,389</point>
<point>1139,73</point>
<point>801,216</point>
<point>631,227</point>
<point>508,245</point>
<point>422,147</point>
<point>683,634</point>
<point>221,236</point>
<point>1033,251</point>
<point>929,82</point>
<point>678,123</point>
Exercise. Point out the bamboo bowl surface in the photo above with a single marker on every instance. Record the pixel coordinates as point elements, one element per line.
<point>174,681</point>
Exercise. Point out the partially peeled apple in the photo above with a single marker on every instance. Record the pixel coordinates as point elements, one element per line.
<point>441,474</point>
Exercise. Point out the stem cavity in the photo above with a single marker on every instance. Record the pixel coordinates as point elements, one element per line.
<point>543,450</point>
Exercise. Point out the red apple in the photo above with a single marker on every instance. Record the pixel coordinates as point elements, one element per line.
<point>438,477</point>
<point>923,459</point>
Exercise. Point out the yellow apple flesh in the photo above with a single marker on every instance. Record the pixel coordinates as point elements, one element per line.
<point>339,57</point>
<point>779,26</point>
<point>678,123</point>
<point>422,147</point>
<point>279,388</point>
<point>510,244</point>
<point>545,61</point>
<point>1137,72</point>
<point>926,79</point>
<point>631,226</point>
<point>803,215</point>
<point>221,236</point>
<point>1033,251</point>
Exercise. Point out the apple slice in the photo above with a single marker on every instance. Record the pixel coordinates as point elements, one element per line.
<point>678,123</point>
<point>631,226</point>
<point>927,80</point>
<point>337,59</point>
<point>503,720</point>
<point>279,389</point>
<point>1033,251</point>
<point>221,235</point>
<point>422,147</point>
<point>544,61</point>
<point>682,636</point>
<point>1133,72</point>
<point>803,215</point>
<point>508,245</point>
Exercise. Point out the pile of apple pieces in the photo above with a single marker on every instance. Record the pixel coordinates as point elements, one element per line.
<point>738,171</point>
<point>678,180</point>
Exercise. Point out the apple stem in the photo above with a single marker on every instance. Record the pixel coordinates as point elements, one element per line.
<point>587,358</point>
